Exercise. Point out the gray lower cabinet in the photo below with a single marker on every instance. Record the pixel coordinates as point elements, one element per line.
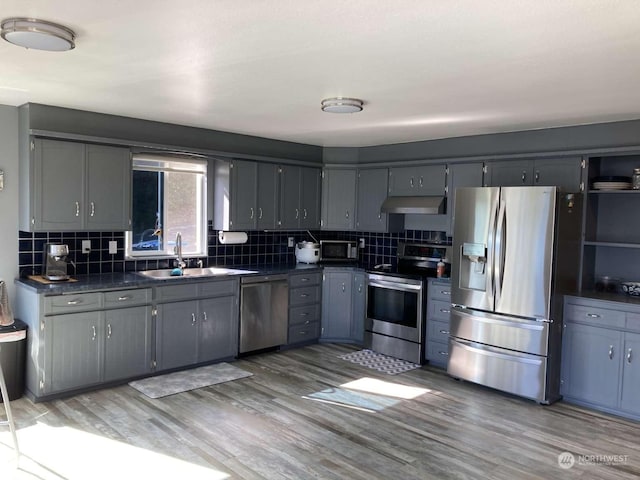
<point>600,365</point>
<point>438,314</point>
<point>305,296</point>
<point>196,323</point>
<point>339,199</point>
<point>565,173</point>
<point>70,186</point>
<point>343,299</point>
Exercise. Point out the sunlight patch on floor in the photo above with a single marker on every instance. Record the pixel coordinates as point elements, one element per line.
<point>68,453</point>
<point>389,389</point>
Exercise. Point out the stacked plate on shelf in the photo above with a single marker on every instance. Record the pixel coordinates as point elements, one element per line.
<point>612,183</point>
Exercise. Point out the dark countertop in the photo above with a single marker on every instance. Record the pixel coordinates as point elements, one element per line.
<point>608,296</point>
<point>106,281</point>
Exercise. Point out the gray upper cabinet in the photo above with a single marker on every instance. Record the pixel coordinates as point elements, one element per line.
<point>267,198</point>
<point>243,195</point>
<point>420,180</point>
<point>372,191</point>
<point>565,173</point>
<point>339,199</point>
<point>461,175</point>
<point>73,186</point>
<point>299,197</point>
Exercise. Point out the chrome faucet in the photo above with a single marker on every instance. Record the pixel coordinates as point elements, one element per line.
<point>178,251</point>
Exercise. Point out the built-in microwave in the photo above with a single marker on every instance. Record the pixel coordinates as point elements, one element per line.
<point>338,251</point>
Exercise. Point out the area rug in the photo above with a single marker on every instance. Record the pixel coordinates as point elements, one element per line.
<point>379,362</point>
<point>172,383</point>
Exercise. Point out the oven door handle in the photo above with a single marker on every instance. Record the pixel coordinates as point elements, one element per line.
<point>403,287</point>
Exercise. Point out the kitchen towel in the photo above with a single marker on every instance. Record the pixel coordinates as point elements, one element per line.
<point>172,383</point>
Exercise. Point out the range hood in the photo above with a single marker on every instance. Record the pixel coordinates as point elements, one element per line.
<point>423,205</point>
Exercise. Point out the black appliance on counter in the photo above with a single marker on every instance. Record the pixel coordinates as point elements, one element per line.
<point>396,300</point>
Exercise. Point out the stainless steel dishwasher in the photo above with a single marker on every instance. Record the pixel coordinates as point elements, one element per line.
<point>264,312</point>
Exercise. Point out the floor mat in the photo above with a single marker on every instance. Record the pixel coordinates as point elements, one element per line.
<point>172,383</point>
<point>377,361</point>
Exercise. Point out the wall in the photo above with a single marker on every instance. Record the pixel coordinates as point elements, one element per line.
<point>9,196</point>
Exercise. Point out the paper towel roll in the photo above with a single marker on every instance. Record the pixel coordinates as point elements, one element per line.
<point>232,237</point>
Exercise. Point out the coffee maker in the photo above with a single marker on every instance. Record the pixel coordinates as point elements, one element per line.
<point>54,261</point>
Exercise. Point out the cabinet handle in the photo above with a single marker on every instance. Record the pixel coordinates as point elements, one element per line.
<point>346,213</point>
<point>251,215</point>
<point>204,316</point>
<point>77,209</point>
<point>629,356</point>
<point>360,288</point>
<point>297,213</point>
<point>537,176</point>
<point>93,332</point>
<point>193,319</point>
<point>444,354</point>
<point>304,279</point>
<point>304,295</point>
<point>108,330</point>
<point>303,333</point>
<point>93,209</point>
<point>74,302</point>
<point>304,213</point>
<point>124,297</point>
<point>304,314</point>
<point>444,332</point>
<point>411,182</point>
<point>379,216</point>
<point>524,177</point>
<point>444,310</point>
<point>344,287</point>
<point>260,213</point>
<point>593,315</point>
<point>307,322</point>
<point>421,181</point>
<point>610,352</point>
<point>445,292</point>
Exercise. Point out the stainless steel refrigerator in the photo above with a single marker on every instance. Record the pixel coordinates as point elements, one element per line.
<point>516,251</point>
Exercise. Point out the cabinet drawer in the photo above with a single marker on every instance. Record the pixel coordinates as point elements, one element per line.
<point>437,331</point>
<point>304,333</point>
<point>439,310</point>
<point>633,322</point>
<point>127,298</point>
<point>440,291</point>
<point>437,353</point>
<point>304,315</point>
<point>72,303</point>
<point>303,280</point>
<point>218,288</point>
<point>167,293</point>
<point>602,317</point>
<point>304,295</point>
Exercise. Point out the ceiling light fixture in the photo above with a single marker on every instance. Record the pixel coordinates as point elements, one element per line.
<point>37,34</point>
<point>341,105</point>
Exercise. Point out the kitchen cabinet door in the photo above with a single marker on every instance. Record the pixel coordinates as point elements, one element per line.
<point>57,191</point>
<point>336,306</point>
<point>310,181</point>
<point>290,213</point>
<point>108,182</point>
<point>73,356</point>
<point>358,307</point>
<point>338,199</point>
<point>127,333</point>
<point>461,175</point>
<point>509,173</point>
<point>630,399</point>
<point>267,198</point>
<point>218,329</point>
<point>565,173</point>
<point>591,364</point>
<point>244,195</point>
<point>421,180</point>
<point>372,192</point>
<point>176,334</point>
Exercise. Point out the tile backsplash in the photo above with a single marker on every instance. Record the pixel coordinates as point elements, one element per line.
<point>263,248</point>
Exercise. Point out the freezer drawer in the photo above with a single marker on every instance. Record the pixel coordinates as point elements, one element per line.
<point>512,372</point>
<point>512,333</point>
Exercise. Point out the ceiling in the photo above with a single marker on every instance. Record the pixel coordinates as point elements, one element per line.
<point>425,69</point>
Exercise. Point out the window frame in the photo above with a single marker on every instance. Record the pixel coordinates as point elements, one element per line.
<point>159,162</point>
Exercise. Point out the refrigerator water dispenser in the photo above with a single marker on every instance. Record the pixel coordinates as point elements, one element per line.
<point>473,261</point>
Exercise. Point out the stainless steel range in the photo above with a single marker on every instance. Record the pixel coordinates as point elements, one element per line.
<point>396,301</point>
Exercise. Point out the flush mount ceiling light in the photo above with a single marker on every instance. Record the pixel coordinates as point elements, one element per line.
<point>37,34</point>
<point>341,105</point>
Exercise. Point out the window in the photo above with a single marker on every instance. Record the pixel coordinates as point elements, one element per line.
<point>168,197</point>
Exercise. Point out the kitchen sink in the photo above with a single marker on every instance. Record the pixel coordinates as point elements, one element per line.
<point>194,272</point>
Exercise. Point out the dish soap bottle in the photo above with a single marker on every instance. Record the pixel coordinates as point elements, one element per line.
<point>440,269</point>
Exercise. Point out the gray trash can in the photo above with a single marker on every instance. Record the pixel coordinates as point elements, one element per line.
<point>13,347</point>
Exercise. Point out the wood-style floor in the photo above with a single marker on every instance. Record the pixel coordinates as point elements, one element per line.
<point>263,427</point>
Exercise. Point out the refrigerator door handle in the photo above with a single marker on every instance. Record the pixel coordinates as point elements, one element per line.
<point>500,248</point>
<point>491,240</point>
